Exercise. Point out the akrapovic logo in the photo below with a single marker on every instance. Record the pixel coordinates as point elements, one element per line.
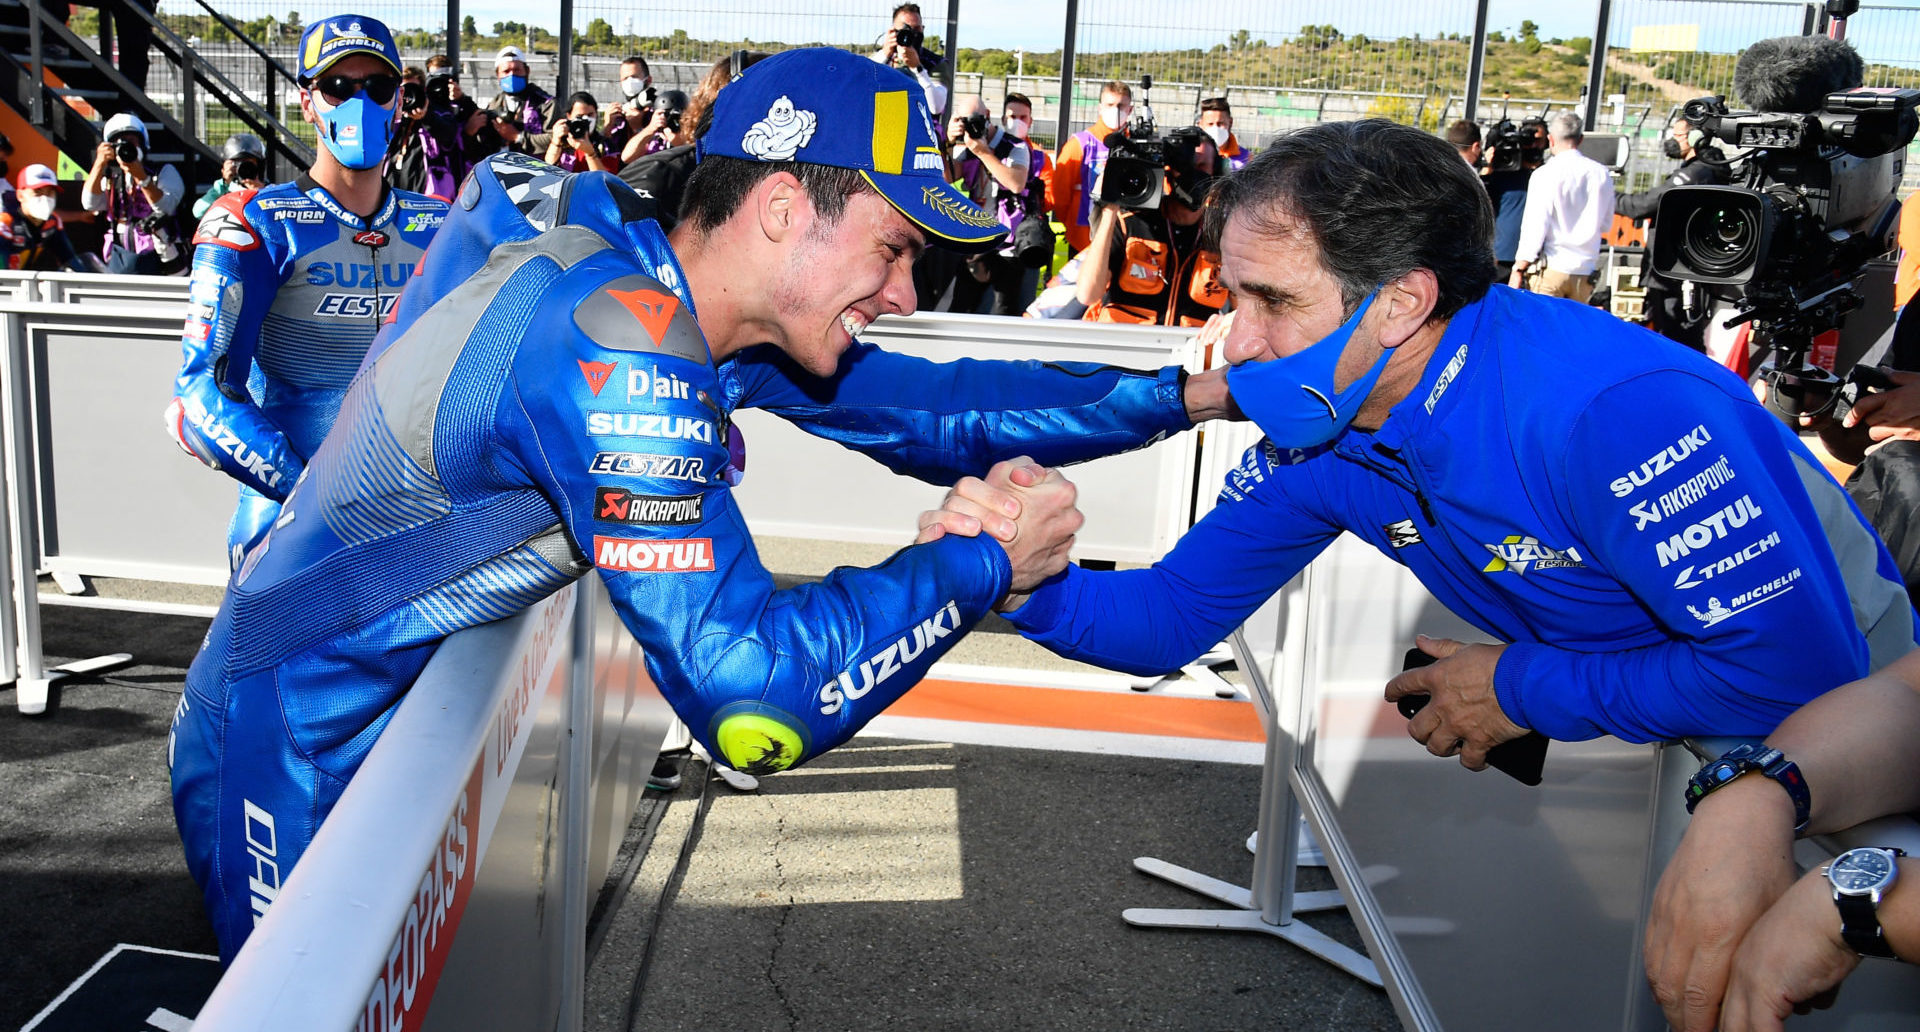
<point>1691,490</point>
<point>619,505</point>
<point>878,669</point>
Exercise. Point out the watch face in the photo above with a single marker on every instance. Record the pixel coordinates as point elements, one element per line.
<point>1861,870</point>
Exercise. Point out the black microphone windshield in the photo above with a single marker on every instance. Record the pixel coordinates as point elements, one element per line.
<point>1795,73</point>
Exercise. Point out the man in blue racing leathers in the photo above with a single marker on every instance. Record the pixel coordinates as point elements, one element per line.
<point>1660,554</point>
<point>555,395</point>
<point>291,282</point>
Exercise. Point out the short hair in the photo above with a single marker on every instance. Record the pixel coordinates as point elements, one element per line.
<point>636,59</point>
<point>1566,126</point>
<point>1014,98</point>
<point>1464,133</point>
<point>720,184</point>
<point>582,97</point>
<point>6,145</point>
<point>1217,104</point>
<point>1116,86</point>
<point>439,61</point>
<point>1380,200</point>
<point>412,73</point>
<point>910,8</point>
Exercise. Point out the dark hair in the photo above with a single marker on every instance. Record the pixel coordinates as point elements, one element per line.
<point>910,8</point>
<point>412,73</point>
<point>1014,98</point>
<point>720,185</point>
<point>439,61</point>
<point>6,145</point>
<point>636,59</point>
<point>1381,200</point>
<point>582,97</point>
<point>1217,104</point>
<point>1463,134</point>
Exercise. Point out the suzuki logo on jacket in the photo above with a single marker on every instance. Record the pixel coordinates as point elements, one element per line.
<point>1663,460</point>
<point>889,661</point>
<point>358,274</point>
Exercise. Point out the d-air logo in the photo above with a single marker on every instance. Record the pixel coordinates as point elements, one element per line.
<point>784,131</point>
<point>669,555</point>
<point>1689,577</point>
<point>640,464</point>
<point>263,845</point>
<point>596,373</point>
<point>654,310</point>
<point>1715,612</point>
<point>370,238</point>
<point>1402,534</point>
<point>1691,490</point>
<point>875,670</point>
<point>1663,460</point>
<point>658,385</point>
<point>1706,532</point>
<point>1517,552</point>
<point>619,505</point>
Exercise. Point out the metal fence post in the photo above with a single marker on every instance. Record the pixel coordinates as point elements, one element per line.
<point>560,88</point>
<point>454,35</point>
<point>1065,113</point>
<point>270,91</point>
<point>1476,63</point>
<point>1596,67</point>
<point>953,51</point>
<point>36,103</point>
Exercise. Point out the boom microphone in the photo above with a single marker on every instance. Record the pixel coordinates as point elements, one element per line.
<point>1795,73</point>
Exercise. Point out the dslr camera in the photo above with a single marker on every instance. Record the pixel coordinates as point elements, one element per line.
<point>975,126</point>
<point>246,166</point>
<point>413,96</point>
<point>579,129</point>
<point>1812,200</point>
<point>127,149</point>
<point>909,37</point>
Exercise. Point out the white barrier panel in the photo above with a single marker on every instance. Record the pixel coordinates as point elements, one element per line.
<point>449,887</point>
<point>1136,504</point>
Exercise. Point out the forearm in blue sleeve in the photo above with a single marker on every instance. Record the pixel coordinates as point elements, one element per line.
<point>1694,503</point>
<point>939,421</point>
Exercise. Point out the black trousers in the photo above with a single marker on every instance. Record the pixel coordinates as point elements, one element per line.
<point>1005,277</point>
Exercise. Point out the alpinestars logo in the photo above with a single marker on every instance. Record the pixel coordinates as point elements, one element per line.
<point>1517,552</point>
<point>228,228</point>
<point>596,373</point>
<point>889,661</point>
<point>1402,534</point>
<point>370,238</point>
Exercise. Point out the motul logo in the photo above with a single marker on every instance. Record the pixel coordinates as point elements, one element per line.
<point>674,555</point>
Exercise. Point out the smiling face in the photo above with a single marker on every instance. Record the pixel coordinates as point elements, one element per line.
<point>838,277</point>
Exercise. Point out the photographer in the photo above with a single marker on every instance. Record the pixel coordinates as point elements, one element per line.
<point>637,125</point>
<point>243,166</point>
<point>448,101</point>
<point>1079,162</point>
<point>1701,164</point>
<point>663,175</point>
<point>425,155</point>
<point>901,46</point>
<point>32,237</point>
<point>1569,208</point>
<point>995,168</point>
<point>530,107</point>
<point>1216,118</point>
<point>575,145</point>
<point>1149,266</point>
<point>138,201</point>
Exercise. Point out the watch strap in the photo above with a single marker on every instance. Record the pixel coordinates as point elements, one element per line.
<point>1746,759</point>
<point>1860,926</point>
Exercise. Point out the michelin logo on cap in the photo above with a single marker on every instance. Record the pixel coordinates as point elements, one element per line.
<point>782,133</point>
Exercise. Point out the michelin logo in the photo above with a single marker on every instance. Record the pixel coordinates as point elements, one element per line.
<point>782,133</point>
<point>1715,612</point>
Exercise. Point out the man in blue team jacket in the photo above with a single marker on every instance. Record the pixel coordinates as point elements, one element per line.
<point>1661,556</point>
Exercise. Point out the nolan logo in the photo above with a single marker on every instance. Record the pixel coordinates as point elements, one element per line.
<point>596,373</point>
<point>670,555</point>
<point>883,665</point>
<point>1706,532</point>
<point>619,505</point>
<point>654,310</point>
<point>649,424</point>
<point>1663,460</point>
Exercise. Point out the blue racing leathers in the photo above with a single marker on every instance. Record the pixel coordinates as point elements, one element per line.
<point>1663,554</point>
<point>288,290</point>
<point>545,403</point>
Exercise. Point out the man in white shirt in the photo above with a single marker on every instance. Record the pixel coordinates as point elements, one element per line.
<point>1569,208</point>
<point>911,56</point>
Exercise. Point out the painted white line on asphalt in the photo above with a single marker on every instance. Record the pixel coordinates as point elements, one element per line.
<point>1160,747</point>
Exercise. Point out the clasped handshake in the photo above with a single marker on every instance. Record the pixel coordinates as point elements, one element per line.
<point>1028,508</point>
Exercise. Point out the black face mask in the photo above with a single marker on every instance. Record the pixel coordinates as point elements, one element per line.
<point>1671,148</point>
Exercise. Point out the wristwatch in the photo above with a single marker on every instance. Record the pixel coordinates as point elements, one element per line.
<point>1859,878</point>
<point>1746,759</point>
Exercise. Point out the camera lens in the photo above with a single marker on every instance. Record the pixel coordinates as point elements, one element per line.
<point>1719,240</point>
<point>578,128</point>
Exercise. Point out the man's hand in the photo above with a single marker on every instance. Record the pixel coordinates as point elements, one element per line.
<point>103,156</point>
<point>1205,396</point>
<point>1463,717</point>
<point>909,57</point>
<point>1790,962</point>
<point>1735,860</point>
<point>1890,414</point>
<point>1518,276</point>
<point>455,93</point>
<point>1028,508</point>
<point>889,44</point>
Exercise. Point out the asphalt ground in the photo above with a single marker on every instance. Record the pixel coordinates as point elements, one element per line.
<point>894,883</point>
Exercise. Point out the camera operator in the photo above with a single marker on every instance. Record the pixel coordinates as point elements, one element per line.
<point>663,175</point>
<point>996,169</point>
<point>1150,266</point>
<point>1079,162</point>
<point>575,144</point>
<point>33,237</point>
<point>243,166</point>
<point>530,107</point>
<point>1216,117</point>
<point>448,101</point>
<point>636,125</point>
<point>425,156</point>
<point>1701,164</point>
<point>1569,208</point>
<point>139,202</point>
<point>903,46</point>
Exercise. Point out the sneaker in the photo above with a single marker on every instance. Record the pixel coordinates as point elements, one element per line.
<point>665,776</point>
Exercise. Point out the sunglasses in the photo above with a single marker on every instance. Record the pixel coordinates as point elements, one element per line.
<point>379,87</point>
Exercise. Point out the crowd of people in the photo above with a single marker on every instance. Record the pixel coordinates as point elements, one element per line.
<point>1351,277</point>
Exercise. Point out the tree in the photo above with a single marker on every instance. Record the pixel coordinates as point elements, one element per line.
<point>1238,41</point>
<point>1529,30</point>
<point>599,33</point>
<point>467,27</point>
<point>1319,37</point>
<point>1580,44</point>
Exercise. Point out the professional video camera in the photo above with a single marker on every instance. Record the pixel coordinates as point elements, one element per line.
<point>1511,148</point>
<point>1135,173</point>
<point>1811,202</point>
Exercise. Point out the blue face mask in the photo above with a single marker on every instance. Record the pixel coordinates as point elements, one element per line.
<point>357,132</point>
<point>512,83</point>
<point>1292,399</point>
